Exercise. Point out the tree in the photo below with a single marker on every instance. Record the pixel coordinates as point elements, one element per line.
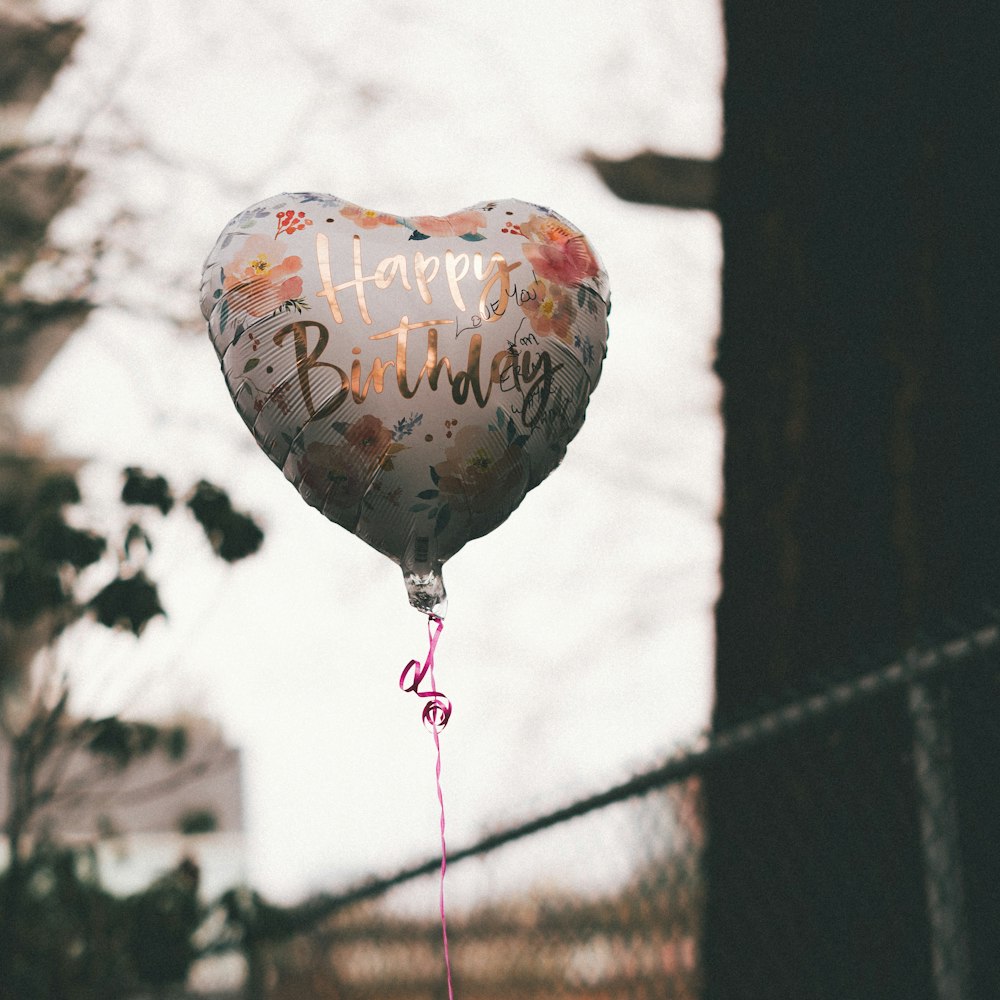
<point>60,932</point>
<point>859,354</point>
<point>76,941</point>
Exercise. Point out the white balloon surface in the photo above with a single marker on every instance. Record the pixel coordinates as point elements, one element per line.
<point>413,377</point>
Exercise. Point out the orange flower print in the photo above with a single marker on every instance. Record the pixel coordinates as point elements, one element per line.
<point>557,252</point>
<point>260,279</point>
<point>366,218</point>
<point>549,310</point>
<point>369,437</point>
<point>546,229</point>
<point>342,471</point>
<point>460,224</point>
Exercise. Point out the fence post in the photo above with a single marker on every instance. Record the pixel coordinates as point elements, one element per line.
<point>933,771</point>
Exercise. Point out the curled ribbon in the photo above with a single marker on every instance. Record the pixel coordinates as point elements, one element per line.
<point>435,717</point>
<point>437,711</point>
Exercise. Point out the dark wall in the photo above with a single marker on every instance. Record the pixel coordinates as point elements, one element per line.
<point>860,351</point>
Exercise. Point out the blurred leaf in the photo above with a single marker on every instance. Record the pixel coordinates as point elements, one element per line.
<point>210,505</point>
<point>121,742</point>
<point>233,535</point>
<point>141,489</point>
<point>110,738</point>
<point>28,591</point>
<point>54,540</point>
<point>128,602</point>
<point>57,490</point>
<point>175,742</point>
<point>241,537</point>
<point>136,534</point>
<point>144,737</point>
<point>196,821</point>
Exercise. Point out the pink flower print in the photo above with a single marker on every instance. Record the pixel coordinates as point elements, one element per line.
<point>557,252</point>
<point>549,310</point>
<point>260,279</point>
<point>460,224</point>
<point>366,218</point>
<point>565,263</point>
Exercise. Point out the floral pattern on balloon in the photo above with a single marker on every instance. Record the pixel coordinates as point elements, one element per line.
<point>550,310</point>
<point>341,472</point>
<point>475,467</point>
<point>366,218</point>
<point>557,252</point>
<point>276,395</point>
<point>291,222</point>
<point>371,440</point>
<point>327,471</point>
<point>463,225</point>
<point>260,280</point>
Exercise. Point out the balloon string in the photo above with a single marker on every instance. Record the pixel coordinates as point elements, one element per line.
<point>444,849</point>
<point>435,717</point>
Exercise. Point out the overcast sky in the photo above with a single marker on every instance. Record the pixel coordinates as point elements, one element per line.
<point>578,642</point>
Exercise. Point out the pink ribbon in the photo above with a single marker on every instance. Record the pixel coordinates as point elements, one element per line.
<point>437,711</point>
<point>435,717</point>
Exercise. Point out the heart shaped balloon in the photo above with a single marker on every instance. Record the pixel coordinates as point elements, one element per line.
<point>413,376</point>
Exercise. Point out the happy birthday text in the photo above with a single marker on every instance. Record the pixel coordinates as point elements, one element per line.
<point>516,368</point>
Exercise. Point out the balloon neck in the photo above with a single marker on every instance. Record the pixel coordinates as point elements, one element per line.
<point>426,591</point>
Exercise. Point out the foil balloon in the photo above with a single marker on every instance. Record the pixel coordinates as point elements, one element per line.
<point>414,376</point>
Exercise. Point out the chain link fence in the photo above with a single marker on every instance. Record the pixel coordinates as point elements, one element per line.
<point>608,898</point>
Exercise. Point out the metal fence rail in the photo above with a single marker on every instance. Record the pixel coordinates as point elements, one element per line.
<point>621,914</point>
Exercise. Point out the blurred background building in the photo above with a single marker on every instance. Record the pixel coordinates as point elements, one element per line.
<point>183,801</point>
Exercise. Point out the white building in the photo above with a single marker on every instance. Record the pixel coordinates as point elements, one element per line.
<point>147,817</point>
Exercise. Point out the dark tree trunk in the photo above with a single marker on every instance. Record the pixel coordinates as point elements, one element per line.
<point>860,355</point>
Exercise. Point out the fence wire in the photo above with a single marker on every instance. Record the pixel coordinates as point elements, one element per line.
<point>652,890</point>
